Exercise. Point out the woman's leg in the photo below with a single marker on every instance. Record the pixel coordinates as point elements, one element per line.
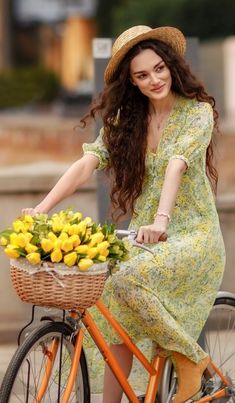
<point>112,390</point>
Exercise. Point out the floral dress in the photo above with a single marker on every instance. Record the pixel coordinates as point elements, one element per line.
<point>166,296</point>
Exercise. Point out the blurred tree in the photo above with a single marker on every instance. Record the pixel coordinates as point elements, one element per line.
<point>208,18</point>
<point>104,17</point>
<point>151,12</point>
<point>203,18</point>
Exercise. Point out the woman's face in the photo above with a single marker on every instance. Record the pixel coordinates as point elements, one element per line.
<point>151,75</point>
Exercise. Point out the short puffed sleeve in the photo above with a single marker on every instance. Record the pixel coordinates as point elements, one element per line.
<point>194,138</point>
<point>98,149</point>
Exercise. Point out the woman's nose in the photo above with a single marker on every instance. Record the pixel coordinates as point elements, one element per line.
<point>154,78</point>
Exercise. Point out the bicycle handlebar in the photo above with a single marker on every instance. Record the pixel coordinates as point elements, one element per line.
<point>121,233</point>
<point>131,236</point>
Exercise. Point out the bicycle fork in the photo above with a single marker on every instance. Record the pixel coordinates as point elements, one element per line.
<point>51,355</point>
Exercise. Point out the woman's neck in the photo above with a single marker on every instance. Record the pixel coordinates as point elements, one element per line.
<point>159,107</point>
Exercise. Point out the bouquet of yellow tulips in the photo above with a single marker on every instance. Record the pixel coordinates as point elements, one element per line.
<point>61,260</point>
<point>65,237</point>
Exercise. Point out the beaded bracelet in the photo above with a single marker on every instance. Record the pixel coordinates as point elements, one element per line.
<point>160,213</point>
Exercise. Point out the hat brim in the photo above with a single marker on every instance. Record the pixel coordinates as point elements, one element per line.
<point>170,35</point>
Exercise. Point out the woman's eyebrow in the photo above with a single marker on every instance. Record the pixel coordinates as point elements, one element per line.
<point>143,71</point>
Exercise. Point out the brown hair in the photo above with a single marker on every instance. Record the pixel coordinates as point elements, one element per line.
<point>124,111</point>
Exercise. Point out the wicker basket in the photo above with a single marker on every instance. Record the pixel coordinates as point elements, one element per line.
<point>56,285</point>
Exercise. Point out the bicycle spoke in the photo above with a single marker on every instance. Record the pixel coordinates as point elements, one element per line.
<point>32,372</point>
<point>219,343</point>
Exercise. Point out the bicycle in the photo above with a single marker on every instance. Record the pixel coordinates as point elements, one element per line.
<point>50,364</point>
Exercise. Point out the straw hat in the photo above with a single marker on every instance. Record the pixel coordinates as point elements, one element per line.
<point>170,35</point>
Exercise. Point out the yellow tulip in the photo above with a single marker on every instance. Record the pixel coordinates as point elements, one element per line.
<point>96,238</point>
<point>84,264</point>
<point>18,239</point>
<point>67,245</point>
<point>87,235</point>
<point>30,248</point>
<point>92,252</point>
<point>18,226</point>
<point>22,240</point>
<point>28,218</point>
<point>87,220</point>
<point>70,259</point>
<point>77,215</point>
<point>102,258</point>
<point>57,226</point>
<point>14,239</point>
<point>63,236</point>
<point>56,216</point>
<point>11,251</point>
<point>73,229</point>
<point>75,239</point>
<point>81,227</point>
<point>47,244</point>
<point>34,258</point>
<point>103,246</point>
<point>28,236</point>
<point>81,249</point>
<point>3,241</point>
<point>57,244</point>
<point>56,256</point>
<point>66,228</point>
<point>104,252</point>
<point>52,236</point>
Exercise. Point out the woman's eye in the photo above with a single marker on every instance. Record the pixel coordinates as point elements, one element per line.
<point>160,68</point>
<point>141,76</point>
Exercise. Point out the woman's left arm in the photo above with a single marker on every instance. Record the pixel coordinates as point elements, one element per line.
<point>157,231</point>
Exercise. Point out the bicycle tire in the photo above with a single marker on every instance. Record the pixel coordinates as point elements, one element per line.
<point>218,338</point>
<point>16,388</point>
<point>224,310</point>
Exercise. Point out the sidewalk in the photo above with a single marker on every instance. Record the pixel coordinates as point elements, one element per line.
<point>7,351</point>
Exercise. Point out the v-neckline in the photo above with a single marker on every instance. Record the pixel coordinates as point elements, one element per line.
<point>156,152</point>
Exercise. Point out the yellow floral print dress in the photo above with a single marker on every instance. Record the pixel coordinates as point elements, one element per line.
<point>167,297</point>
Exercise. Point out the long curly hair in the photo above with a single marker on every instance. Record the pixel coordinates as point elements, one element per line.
<point>124,111</point>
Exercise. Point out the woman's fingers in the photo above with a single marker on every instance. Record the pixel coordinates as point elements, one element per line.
<point>28,211</point>
<point>148,235</point>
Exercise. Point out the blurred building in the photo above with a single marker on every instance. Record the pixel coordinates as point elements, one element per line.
<point>56,34</point>
<point>5,37</point>
<point>217,71</point>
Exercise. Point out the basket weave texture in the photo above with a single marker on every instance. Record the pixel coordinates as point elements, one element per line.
<point>51,287</point>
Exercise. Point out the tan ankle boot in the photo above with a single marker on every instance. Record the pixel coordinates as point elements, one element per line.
<point>189,376</point>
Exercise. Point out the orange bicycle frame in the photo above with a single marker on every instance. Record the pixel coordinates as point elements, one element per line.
<point>154,368</point>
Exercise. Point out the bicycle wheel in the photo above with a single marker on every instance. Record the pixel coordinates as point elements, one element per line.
<point>217,339</point>
<point>26,371</point>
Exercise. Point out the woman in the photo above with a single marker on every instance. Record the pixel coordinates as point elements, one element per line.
<point>157,143</point>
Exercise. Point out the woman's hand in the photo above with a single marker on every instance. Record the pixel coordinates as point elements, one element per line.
<point>29,211</point>
<point>153,233</point>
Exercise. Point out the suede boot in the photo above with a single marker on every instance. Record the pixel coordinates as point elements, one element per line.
<point>189,376</point>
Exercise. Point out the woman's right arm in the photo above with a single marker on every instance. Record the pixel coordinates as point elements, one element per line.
<point>75,176</point>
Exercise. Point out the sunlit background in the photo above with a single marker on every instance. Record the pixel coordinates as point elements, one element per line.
<point>47,82</point>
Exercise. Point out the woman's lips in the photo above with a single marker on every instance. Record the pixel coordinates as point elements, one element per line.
<point>158,89</point>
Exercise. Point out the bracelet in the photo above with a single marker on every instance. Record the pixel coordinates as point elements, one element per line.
<point>160,213</point>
